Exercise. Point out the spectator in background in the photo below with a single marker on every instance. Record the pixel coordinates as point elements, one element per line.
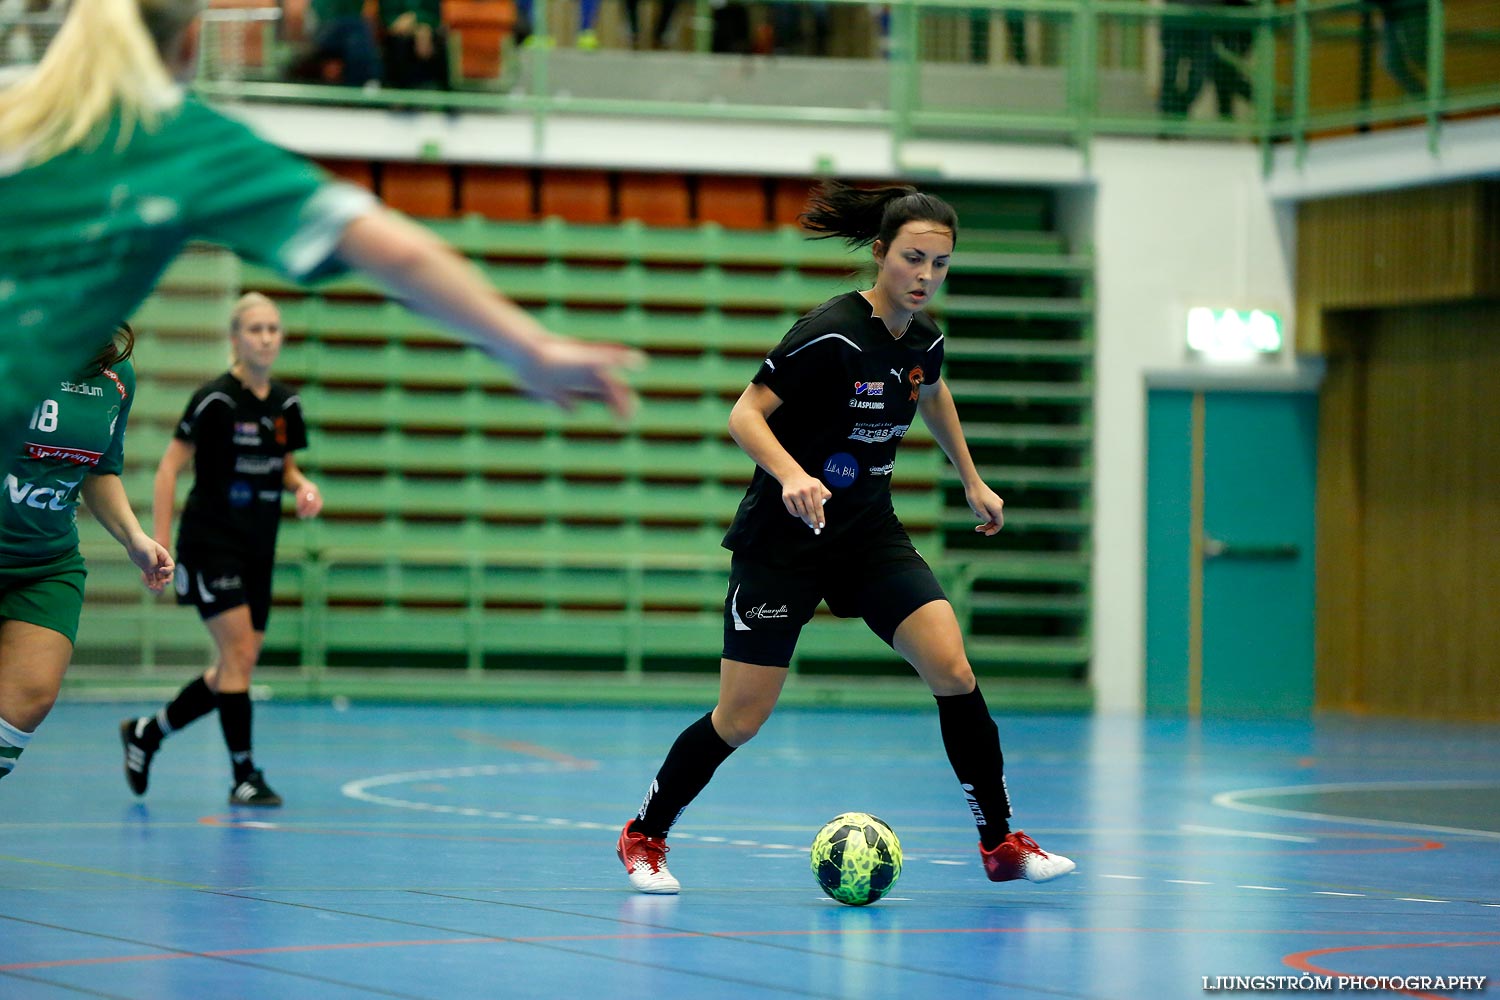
<point>789,28</point>
<point>731,27</point>
<point>341,35</point>
<point>588,16</point>
<point>1404,42</point>
<point>1190,58</point>
<point>1231,46</point>
<point>979,36</point>
<point>664,11</point>
<point>416,46</point>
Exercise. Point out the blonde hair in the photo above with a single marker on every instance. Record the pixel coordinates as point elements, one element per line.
<point>244,304</point>
<point>106,58</point>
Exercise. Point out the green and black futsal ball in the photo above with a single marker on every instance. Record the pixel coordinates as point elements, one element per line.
<point>856,858</point>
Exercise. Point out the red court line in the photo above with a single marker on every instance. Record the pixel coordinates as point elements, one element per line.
<point>1300,960</point>
<point>526,749</point>
<point>663,935</point>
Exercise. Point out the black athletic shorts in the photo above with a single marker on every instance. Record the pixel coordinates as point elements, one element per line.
<point>883,580</point>
<point>216,582</point>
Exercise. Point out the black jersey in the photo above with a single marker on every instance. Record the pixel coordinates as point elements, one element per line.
<point>849,392</point>
<point>241,443</point>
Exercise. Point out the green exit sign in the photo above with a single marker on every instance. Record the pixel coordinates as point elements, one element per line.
<point>1233,334</point>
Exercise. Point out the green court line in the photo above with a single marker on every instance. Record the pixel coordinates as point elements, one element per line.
<point>103,871</point>
<point>1005,695</point>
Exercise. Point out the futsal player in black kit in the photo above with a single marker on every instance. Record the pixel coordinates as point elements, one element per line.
<point>822,420</point>
<point>238,432</point>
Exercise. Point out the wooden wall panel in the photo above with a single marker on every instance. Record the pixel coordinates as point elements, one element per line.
<point>1395,248</point>
<point>1340,492</point>
<point>1427,567</point>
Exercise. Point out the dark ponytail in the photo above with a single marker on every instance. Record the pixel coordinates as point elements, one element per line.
<point>119,347</point>
<point>860,216</point>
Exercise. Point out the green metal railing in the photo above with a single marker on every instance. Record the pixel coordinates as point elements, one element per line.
<point>935,68</point>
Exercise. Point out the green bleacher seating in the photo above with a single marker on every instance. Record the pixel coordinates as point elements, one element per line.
<point>466,522</point>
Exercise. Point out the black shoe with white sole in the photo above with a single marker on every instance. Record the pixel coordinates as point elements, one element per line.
<point>253,791</point>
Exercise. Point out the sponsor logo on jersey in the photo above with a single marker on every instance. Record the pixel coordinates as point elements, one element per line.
<point>869,388</point>
<point>882,470</point>
<point>246,432</point>
<point>840,470</point>
<point>40,497</point>
<point>240,494</point>
<point>82,389</point>
<point>116,380</point>
<point>766,611</point>
<point>898,372</point>
<point>916,378</point>
<point>878,433</point>
<point>258,465</point>
<point>77,456</point>
<point>866,404</point>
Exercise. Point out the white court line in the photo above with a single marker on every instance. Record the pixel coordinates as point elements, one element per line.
<point>362,789</point>
<point>1231,800</point>
<point>1220,831</point>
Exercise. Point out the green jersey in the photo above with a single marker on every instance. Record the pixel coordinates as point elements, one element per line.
<point>85,236</point>
<point>77,430</point>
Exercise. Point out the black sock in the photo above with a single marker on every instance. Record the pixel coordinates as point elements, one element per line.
<point>192,703</point>
<point>973,743</point>
<point>690,763</point>
<point>234,719</point>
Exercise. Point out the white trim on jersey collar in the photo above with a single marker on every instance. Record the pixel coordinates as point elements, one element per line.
<point>825,336</point>
<point>209,399</point>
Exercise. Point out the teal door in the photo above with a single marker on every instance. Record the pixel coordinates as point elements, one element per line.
<point>1229,561</point>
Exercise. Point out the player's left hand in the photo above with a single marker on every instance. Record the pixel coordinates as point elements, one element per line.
<point>988,507</point>
<point>565,372</point>
<point>309,500</point>
<point>153,560</point>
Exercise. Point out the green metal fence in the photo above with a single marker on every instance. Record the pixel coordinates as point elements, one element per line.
<point>1037,70</point>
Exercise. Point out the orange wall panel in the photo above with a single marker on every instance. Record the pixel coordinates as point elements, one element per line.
<point>424,190</point>
<point>577,195</point>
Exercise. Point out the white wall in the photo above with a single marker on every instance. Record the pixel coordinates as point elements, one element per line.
<point>1174,225</point>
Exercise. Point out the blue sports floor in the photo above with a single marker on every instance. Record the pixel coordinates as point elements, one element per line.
<point>439,853</point>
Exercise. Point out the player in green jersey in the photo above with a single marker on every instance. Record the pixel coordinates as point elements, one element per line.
<point>107,170</point>
<point>74,445</point>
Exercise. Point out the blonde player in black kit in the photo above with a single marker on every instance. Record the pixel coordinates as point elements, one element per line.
<point>822,420</point>
<point>239,432</point>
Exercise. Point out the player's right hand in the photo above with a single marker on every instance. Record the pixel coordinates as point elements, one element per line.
<point>804,498</point>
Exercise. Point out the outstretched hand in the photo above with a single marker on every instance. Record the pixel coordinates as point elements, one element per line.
<point>564,372</point>
<point>988,507</point>
<point>153,560</point>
